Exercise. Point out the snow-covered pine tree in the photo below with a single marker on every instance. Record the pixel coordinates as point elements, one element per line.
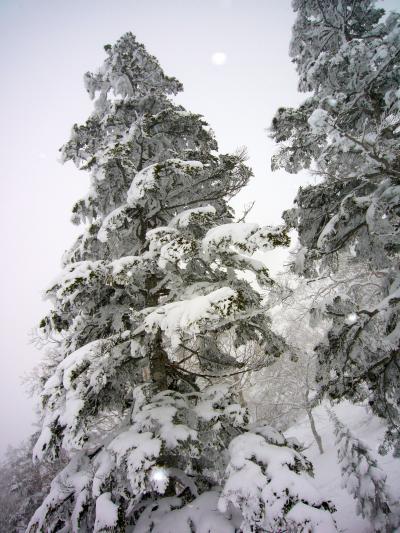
<point>363,479</point>
<point>347,131</point>
<point>134,392</point>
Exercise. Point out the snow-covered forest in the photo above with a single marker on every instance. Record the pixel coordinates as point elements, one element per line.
<point>182,386</point>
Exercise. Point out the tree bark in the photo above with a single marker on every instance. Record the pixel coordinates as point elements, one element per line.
<point>158,362</point>
<point>158,356</point>
<point>317,436</point>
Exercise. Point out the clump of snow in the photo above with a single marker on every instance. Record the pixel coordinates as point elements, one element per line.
<point>161,232</point>
<point>132,440</point>
<point>183,219</point>
<point>146,180</point>
<point>143,182</point>
<point>226,234</point>
<point>188,315</point>
<point>247,237</point>
<point>42,443</point>
<point>124,263</point>
<point>327,232</point>
<point>154,429</point>
<point>73,278</point>
<point>209,406</point>
<point>183,163</point>
<point>108,223</point>
<point>306,515</point>
<point>106,513</point>
<point>103,465</point>
<point>318,120</point>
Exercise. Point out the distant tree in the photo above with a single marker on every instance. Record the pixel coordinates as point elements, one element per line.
<point>281,393</point>
<point>364,480</point>
<point>23,485</point>
<point>137,392</point>
<point>347,132</point>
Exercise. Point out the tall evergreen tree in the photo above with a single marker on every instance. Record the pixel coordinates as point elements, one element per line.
<point>347,131</point>
<point>135,393</point>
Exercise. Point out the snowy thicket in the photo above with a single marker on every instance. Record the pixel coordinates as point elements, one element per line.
<point>281,393</point>
<point>347,131</point>
<point>23,485</point>
<point>364,480</point>
<point>136,389</point>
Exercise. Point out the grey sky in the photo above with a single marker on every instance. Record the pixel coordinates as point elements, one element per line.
<point>46,46</point>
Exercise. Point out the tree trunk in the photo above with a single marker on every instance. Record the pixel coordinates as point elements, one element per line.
<point>158,362</point>
<point>317,436</point>
<point>158,356</point>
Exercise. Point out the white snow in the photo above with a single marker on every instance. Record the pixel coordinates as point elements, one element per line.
<point>160,232</point>
<point>75,274</point>
<point>186,164</point>
<point>318,120</point>
<point>301,513</point>
<point>131,439</point>
<point>200,515</point>
<point>41,443</point>
<point>74,360</point>
<point>103,464</point>
<point>261,478</point>
<point>119,265</point>
<point>209,406</point>
<point>107,223</point>
<point>328,230</point>
<point>228,234</point>
<point>145,180</point>
<point>183,219</point>
<point>106,513</point>
<point>187,315</point>
<point>141,183</point>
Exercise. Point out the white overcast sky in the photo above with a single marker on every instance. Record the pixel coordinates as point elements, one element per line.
<point>46,46</point>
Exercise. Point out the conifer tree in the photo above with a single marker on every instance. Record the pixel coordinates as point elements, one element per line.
<point>363,479</point>
<point>347,131</point>
<point>138,393</point>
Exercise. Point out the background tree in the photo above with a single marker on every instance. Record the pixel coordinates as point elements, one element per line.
<point>364,480</point>
<point>134,392</point>
<point>347,132</point>
<point>280,394</point>
<point>23,485</point>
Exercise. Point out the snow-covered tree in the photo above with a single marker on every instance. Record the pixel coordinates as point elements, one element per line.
<point>364,480</point>
<point>23,485</point>
<point>281,393</point>
<point>347,131</point>
<point>135,393</point>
